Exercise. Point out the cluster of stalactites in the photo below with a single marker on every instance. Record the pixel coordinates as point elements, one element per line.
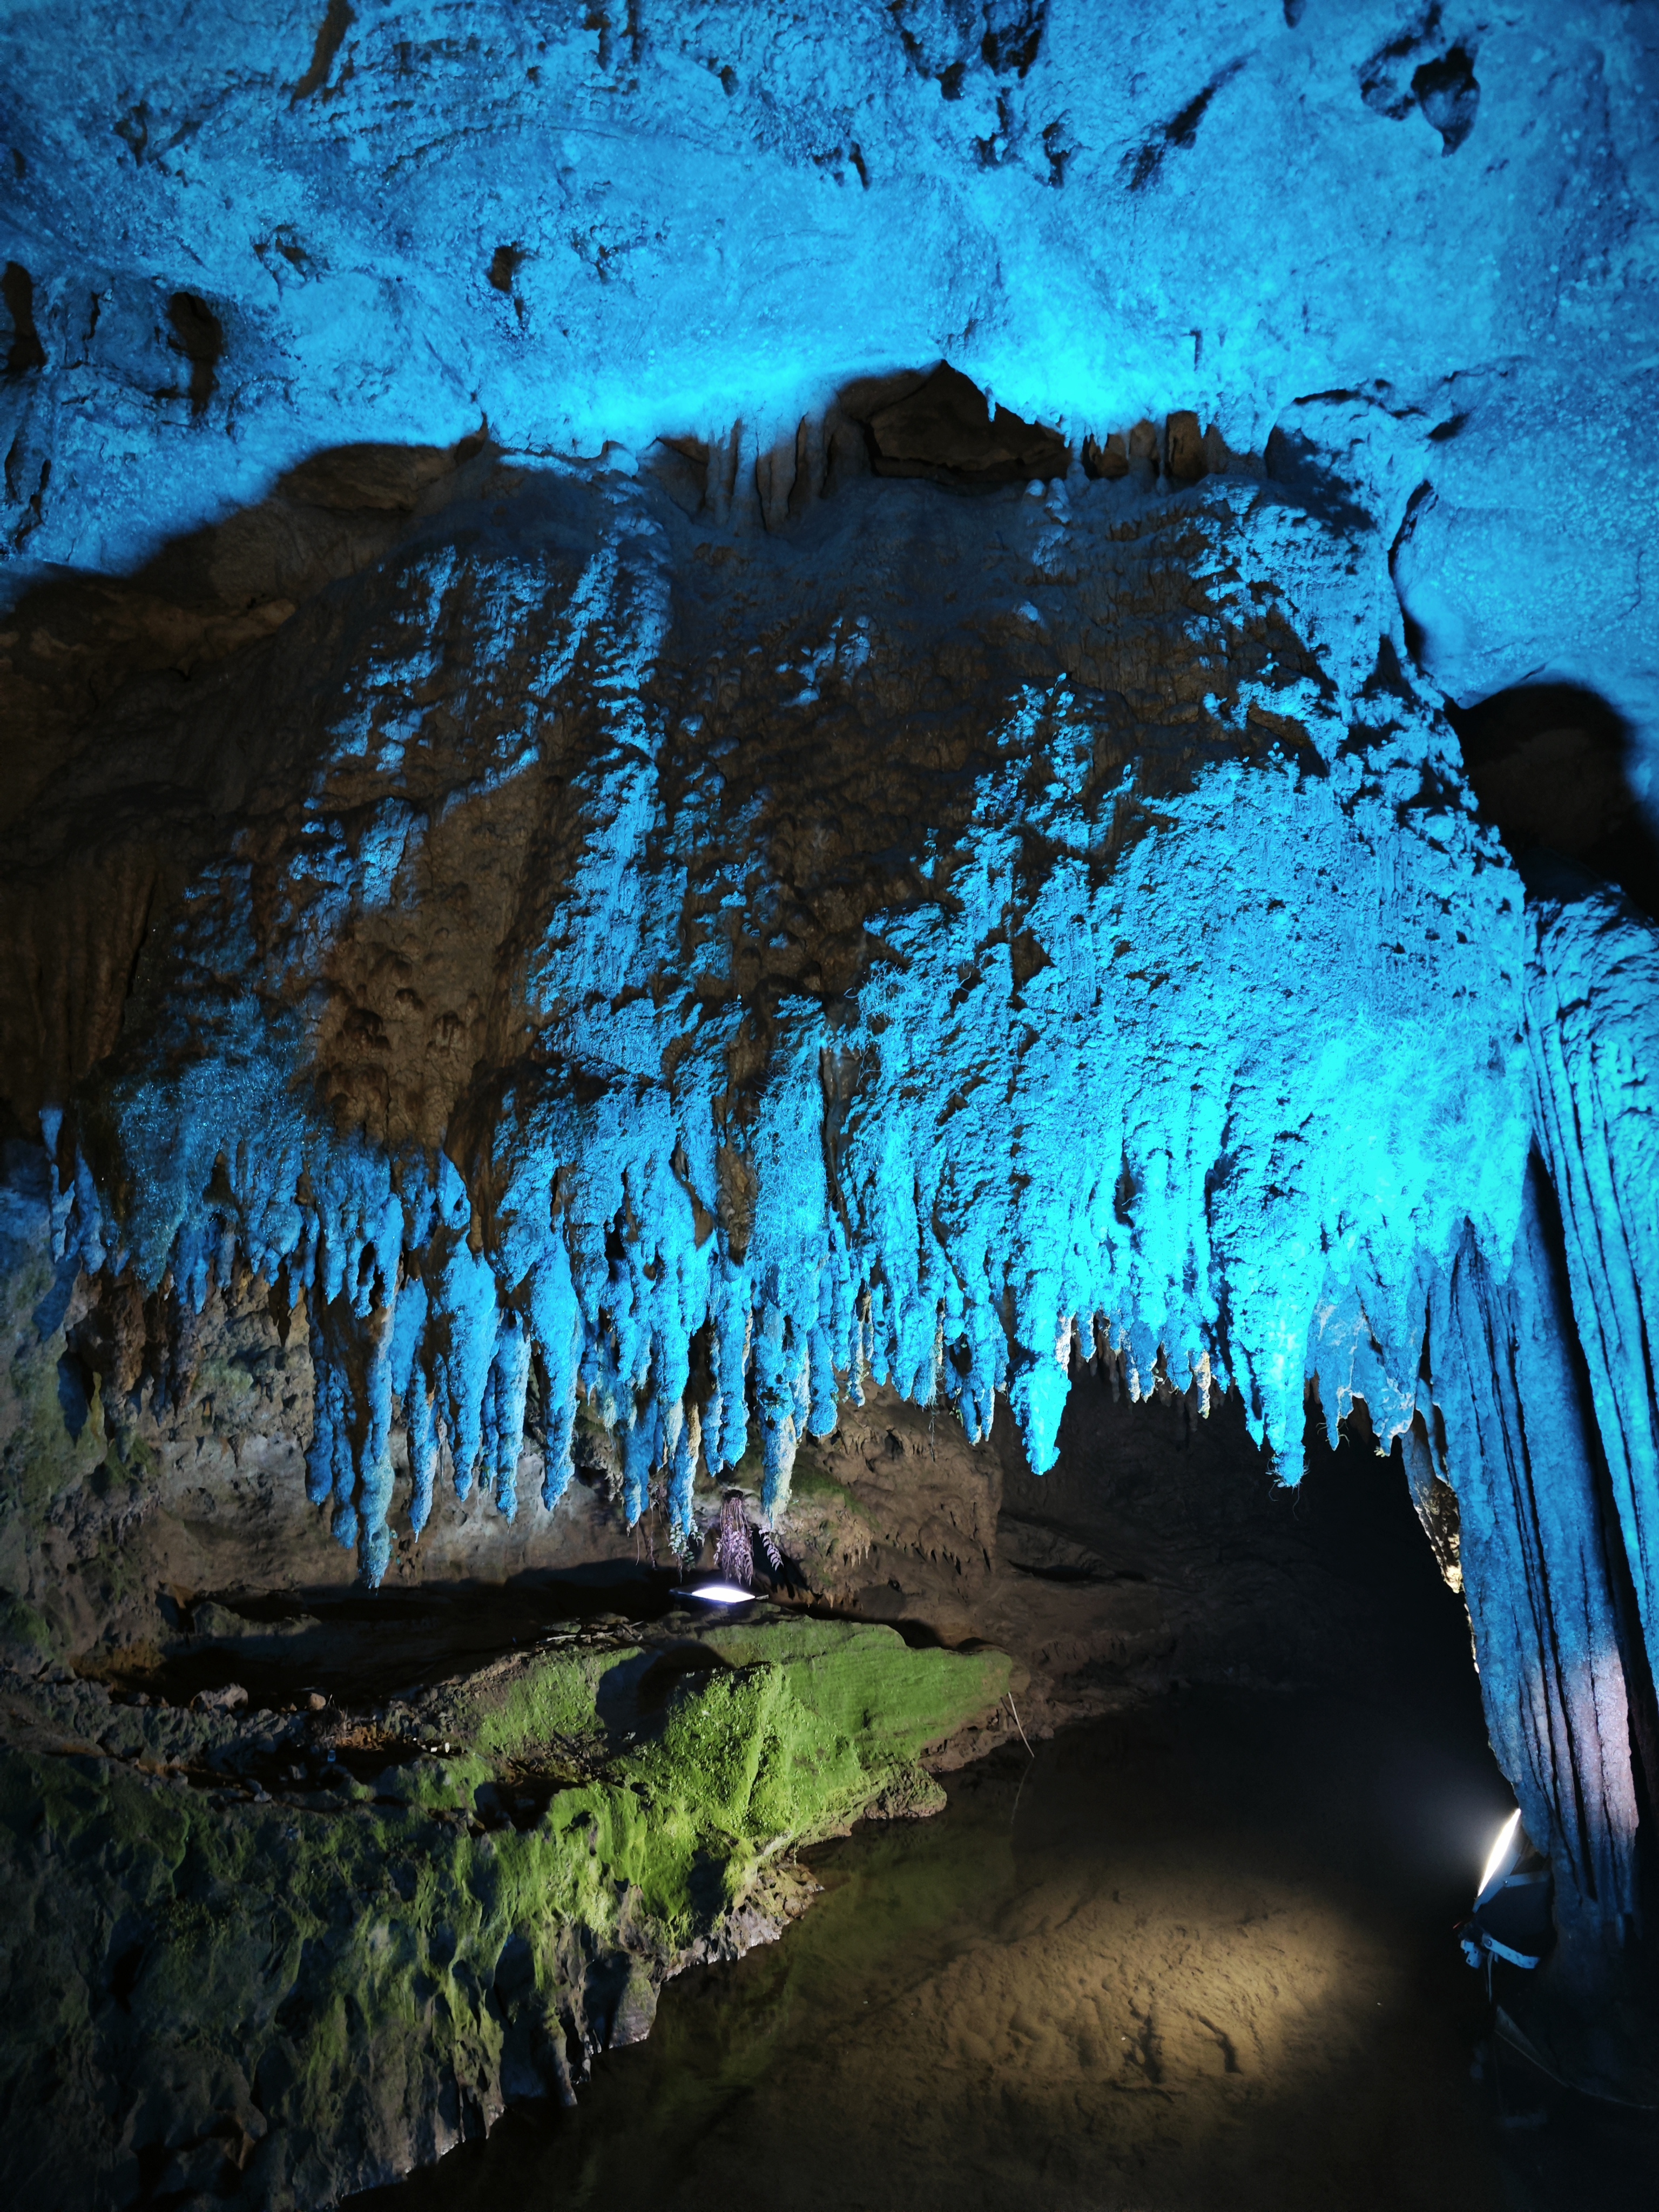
<point>681,1355</point>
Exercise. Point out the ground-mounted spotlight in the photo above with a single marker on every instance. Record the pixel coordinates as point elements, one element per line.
<point>1510,1918</point>
<point>717,1594</point>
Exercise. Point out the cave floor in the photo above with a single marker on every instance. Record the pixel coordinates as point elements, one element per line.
<point>1194,1954</point>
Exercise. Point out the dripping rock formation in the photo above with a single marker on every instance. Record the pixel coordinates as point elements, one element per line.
<point>753,784</point>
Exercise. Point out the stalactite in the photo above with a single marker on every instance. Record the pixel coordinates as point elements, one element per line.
<point>1056,1096</point>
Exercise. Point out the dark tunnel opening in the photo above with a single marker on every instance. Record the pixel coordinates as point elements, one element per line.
<point>1551,764</point>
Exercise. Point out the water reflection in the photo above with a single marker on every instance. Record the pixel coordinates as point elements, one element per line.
<point>1196,1955</point>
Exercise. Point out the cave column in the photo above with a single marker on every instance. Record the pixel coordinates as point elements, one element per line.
<point>1522,1451</point>
<point>1593,1036</point>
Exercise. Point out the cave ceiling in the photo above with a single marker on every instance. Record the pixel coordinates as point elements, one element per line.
<point>706,709</point>
<point>236,240</point>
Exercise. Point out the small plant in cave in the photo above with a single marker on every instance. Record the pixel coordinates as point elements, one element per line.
<point>734,1548</point>
<point>734,1542</point>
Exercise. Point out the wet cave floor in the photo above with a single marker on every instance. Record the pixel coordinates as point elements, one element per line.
<point>1193,1955</point>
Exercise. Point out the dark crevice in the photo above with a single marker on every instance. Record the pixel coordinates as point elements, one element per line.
<point>1380,85</point>
<point>334,25</point>
<point>124,1975</point>
<point>25,352</point>
<point>1063,1573</point>
<point>1443,87</point>
<point>504,266</point>
<point>1448,96</point>
<point>198,335</point>
<point>1180,133</point>
<point>1013,32</point>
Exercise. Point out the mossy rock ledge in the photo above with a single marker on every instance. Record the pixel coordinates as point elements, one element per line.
<point>274,1957</point>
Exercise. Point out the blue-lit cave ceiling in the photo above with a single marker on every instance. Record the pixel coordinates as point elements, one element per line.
<point>581,809</point>
<point>232,239</point>
<point>633,933</point>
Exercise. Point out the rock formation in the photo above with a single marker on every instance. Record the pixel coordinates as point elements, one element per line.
<point>720,731</point>
<point>308,1981</point>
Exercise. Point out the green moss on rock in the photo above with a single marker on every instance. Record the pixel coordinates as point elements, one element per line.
<point>304,1998</point>
<point>540,1705</point>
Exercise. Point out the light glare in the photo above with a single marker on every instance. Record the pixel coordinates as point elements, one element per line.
<point>718,1594</point>
<point>1500,1848</point>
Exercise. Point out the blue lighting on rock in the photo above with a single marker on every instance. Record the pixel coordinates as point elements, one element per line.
<point>1199,1037</point>
<point>687,928</point>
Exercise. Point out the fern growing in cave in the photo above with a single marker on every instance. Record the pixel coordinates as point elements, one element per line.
<point>734,1547</point>
<point>734,1542</point>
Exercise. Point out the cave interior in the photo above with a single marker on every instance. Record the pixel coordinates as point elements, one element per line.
<point>866,805</point>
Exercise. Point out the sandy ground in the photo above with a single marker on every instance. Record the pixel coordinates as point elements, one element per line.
<point>1194,1956</point>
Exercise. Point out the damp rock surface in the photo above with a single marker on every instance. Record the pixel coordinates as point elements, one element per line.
<point>283,1954</point>
<point>1185,1957</point>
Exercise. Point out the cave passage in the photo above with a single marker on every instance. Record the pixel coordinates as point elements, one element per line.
<point>1195,1952</point>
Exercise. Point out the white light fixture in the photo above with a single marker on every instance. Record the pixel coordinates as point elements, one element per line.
<point>1505,1852</point>
<point>717,1594</point>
